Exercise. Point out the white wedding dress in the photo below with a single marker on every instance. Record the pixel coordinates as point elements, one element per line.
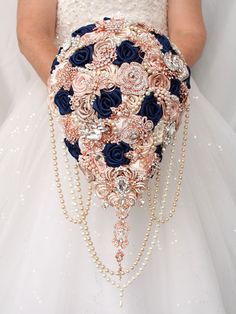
<point>44,264</point>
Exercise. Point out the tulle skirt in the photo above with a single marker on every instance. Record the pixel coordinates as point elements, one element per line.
<point>45,266</point>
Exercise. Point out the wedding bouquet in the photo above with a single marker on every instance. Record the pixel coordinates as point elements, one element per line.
<point>119,89</point>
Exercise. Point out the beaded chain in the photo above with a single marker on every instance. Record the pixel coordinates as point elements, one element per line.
<point>154,217</point>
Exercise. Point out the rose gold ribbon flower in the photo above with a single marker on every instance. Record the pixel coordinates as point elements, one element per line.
<point>152,59</point>
<point>106,78</point>
<point>104,51</point>
<point>83,83</point>
<point>84,111</point>
<point>158,80</point>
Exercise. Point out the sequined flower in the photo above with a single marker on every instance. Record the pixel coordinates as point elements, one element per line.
<point>151,109</point>
<point>62,100</point>
<point>82,56</point>
<point>128,52</point>
<point>114,154</point>
<point>132,78</point>
<point>103,103</point>
<point>82,84</point>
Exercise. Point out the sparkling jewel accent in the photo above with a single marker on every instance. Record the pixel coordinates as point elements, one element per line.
<point>175,63</point>
<point>122,184</point>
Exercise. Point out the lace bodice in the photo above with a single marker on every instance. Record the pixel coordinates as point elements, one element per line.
<point>72,14</point>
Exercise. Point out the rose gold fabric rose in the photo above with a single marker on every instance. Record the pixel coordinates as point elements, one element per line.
<point>158,80</point>
<point>83,84</point>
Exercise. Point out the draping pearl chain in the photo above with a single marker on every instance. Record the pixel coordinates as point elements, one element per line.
<point>78,219</point>
<point>85,212</point>
<point>84,226</point>
<point>82,213</point>
<point>162,219</point>
<point>151,208</point>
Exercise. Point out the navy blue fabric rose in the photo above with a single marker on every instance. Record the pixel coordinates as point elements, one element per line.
<point>83,30</point>
<point>164,41</point>
<point>114,154</point>
<point>82,56</point>
<point>128,52</point>
<point>73,149</point>
<point>103,103</point>
<point>151,109</point>
<point>158,151</point>
<point>187,81</point>
<point>62,100</point>
<point>55,61</point>
<point>175,87</point>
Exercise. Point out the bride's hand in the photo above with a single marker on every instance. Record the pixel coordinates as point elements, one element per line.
<point>186,28</point>
<point>36,22</point>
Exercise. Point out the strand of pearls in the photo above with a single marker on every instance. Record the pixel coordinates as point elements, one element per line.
<point>75,191</point>
<point>105,271</point>
<point>76,198</point>
<point>160,218</point>
<point>82,212</point>
<point>163,200</point>
<point>86,233</point>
